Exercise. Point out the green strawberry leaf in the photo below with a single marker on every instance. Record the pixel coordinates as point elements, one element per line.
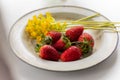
<point>66,41</point>
<point>47,40</point>
<point>37,47</point>
<point>86,49</point>
<point>84,46</point>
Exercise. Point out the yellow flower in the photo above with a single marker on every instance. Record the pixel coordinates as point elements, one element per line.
<point>40,25</point>
<point>34,17</point>
<point>38,39</point>
<point>48,14</point>
<point>45,33</point>
<point>29,29</point>
<point>40,15</point>
<point>29,22</point>
<point>38,22</point>
<point>33,34</point>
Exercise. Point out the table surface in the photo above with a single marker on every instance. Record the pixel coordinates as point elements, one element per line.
<point>12,68</point>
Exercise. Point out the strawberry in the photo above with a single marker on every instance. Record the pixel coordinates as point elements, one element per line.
<point>71,54</point>
<point>74,32</point>
<point>52,36</point>
<point>49,53</point>
<point>62,43</point>
<point>85,37</point>
<point>85,43</point>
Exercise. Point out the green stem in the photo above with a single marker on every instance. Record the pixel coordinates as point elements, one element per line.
<point>88,17</point>
<point>94,22</point>
<point>96,25</point>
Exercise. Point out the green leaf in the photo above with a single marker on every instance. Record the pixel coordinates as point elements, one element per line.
<point>84,46</point>
<point>37,47</point>
<point>66,41</point>
<point>47,40</point>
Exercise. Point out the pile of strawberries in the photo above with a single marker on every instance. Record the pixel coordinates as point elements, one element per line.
<point>72,45</point>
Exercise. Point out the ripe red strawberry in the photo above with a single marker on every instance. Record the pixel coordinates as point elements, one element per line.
<point>62,43</point>
<point>71,54</point>
<point>85,37</point>
<point>54,35</point>
<point>74,32</point>
<point>49,53</point>
<point>86,43</point>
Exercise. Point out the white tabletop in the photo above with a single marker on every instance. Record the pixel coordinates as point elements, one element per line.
<point>11,10</point>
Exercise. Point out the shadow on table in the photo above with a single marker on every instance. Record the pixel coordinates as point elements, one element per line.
<point>4,69</point>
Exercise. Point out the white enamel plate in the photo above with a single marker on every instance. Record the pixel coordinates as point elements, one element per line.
<point>105,42</point>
